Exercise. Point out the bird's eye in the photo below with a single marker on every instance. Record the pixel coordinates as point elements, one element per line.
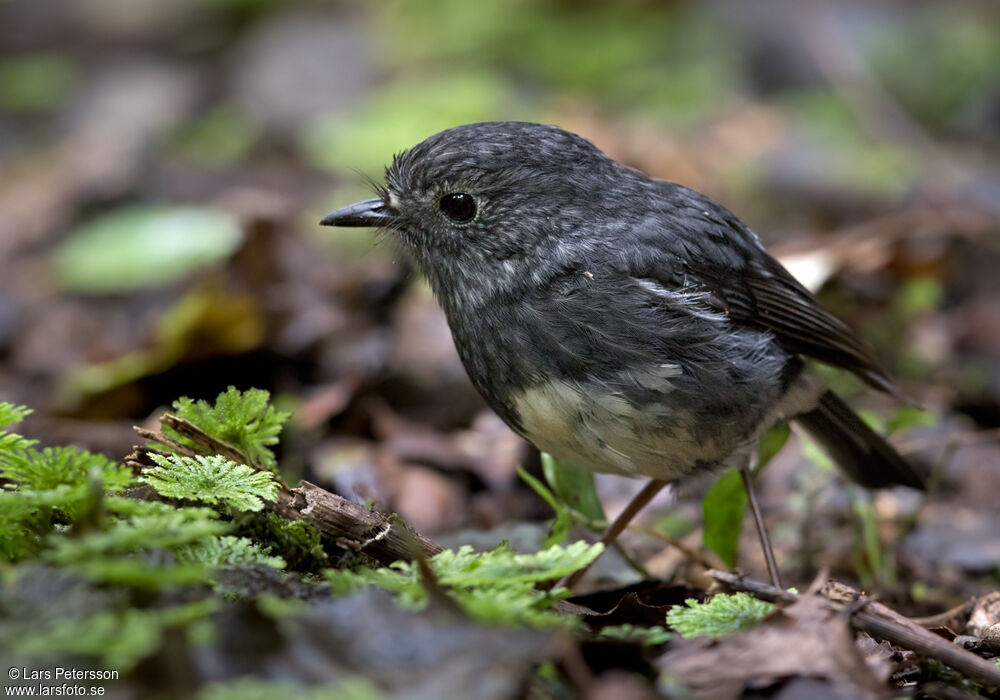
<point>458,206</point>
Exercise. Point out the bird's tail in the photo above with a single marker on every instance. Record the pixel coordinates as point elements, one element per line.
<point>857,449</point>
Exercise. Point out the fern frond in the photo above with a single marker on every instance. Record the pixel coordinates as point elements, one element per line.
<point>10,414</point>
<point>124,506</point>
<point>468,568</point>
<point>245,420</point>
<point>722,615</point>
<point>495,586</point>
<point>212,479</point>
<point>54,466</point>
<point>647,636</point>
<point>141,532</point>
<point>226,552</point>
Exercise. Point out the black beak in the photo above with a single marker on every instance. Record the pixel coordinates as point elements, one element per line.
<point>371,212</point>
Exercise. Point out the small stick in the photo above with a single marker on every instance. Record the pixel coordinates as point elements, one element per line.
<point>210,444</point>
<point>880,622</point>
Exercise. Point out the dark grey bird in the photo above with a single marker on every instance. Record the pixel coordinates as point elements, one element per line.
<point>622,323</point>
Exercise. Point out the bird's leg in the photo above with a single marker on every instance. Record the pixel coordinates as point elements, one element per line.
<point>639,502</point>
<point>746,471</point>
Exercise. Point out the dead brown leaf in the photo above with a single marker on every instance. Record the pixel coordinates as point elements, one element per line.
<point>804,640</point>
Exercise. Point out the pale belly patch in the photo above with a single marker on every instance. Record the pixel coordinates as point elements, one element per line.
<point>604,432</point>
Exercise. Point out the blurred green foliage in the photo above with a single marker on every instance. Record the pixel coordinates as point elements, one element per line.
<point>940,64</point>
<point>35,82</point>
<point>207,320</point>
<point>672,61</point>
<point>672,65</point>
<point>143,246</point>
<point>221,137</point>
<point>455,62</point>
<point>836,150</point>
<point>249,688</point>
<point>400,115</point>
<point>120,639</point>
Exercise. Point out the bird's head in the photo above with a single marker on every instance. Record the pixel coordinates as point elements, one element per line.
<point>481,206</point>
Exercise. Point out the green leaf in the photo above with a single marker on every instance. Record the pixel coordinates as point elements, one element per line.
<point>538,487</point>
<point>573,486</point>
<point>26,517</point>
<point>725,503</point>
<point>244,420</point>
<point>559,529</point>
<point>211,479</point>
<point>908,417</point>
<point>723,508</point>
<point>722,615</point>
<point>144,246</point>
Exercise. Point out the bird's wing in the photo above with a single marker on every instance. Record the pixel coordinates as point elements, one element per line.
<point>721,255</point>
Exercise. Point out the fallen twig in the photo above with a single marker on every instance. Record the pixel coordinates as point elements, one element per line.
<point>384,538</point>
<point>880,622</point>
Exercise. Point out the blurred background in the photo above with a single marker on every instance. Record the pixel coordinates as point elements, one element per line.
<point>163,167</point>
